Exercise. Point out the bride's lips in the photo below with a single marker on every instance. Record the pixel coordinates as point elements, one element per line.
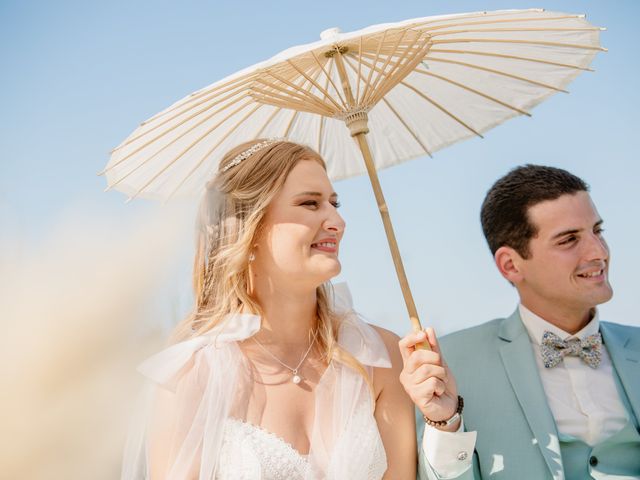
<point>329,245</point>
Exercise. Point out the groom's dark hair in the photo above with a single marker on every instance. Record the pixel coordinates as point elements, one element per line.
<point>504,213</point>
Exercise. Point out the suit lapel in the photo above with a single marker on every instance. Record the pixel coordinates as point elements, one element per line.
<point>624,350</point>
<point>522,371</point>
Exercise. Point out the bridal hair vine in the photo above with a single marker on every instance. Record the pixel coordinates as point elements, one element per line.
<point>250,151</point>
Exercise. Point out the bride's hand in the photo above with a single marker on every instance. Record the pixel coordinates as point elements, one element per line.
<point>427,379</point>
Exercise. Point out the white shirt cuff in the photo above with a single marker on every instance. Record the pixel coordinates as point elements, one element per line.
<point>450,454</point>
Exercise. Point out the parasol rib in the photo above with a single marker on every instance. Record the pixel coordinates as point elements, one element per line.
<point>441,108</point>
<point>407,127</point>
<point>359,74</point>
<point>367,85</point>
<point>290,124</point>
<point>187,131</point>
<point>315,84</point>
<point>511,57</point>
<point>185,150</point>
<point>531,29</point>
<point>492,17</point>
<point>211,150</point>
<point>274,98</point>
<point>276,110</point>
<point>176,115</point>
<point>305,94</point>
<point>404,55</point>
<point>402,73</point>
<point>519,42</point>
<point>497,72</point>
<point>473,90</point>
<point>329,80</point>
<point>196,95</point>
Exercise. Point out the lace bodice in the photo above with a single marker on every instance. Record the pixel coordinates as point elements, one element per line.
<point>248,449</point>
<point>250,452</point>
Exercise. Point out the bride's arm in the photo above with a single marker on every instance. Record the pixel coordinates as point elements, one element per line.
<point>394,414</point>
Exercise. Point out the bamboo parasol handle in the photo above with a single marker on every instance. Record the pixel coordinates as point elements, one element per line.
<point>357,124</point>
<point>388,228</point>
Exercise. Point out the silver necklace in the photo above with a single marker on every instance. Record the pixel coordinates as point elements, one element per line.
<point>295,377</point>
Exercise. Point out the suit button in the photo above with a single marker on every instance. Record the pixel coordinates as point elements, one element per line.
<point>593,461</point>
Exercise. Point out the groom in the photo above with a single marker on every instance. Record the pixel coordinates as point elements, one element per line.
<point>550,392</point>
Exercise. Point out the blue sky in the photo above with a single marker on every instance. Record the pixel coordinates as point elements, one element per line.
<point>77,77</point>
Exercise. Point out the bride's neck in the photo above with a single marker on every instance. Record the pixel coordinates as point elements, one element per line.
<point>287,317</point>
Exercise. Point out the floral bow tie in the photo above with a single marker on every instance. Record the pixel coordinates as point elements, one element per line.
<point>554,349</point>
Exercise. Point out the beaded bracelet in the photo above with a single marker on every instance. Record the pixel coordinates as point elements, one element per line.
<point>454,417</point>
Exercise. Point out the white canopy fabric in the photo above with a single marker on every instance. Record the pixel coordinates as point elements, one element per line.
<point>424,83</point>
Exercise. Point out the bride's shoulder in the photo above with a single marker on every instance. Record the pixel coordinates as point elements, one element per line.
<point>390,340</point>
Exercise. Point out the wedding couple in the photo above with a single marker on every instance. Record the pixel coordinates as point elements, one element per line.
<point>274,376</point>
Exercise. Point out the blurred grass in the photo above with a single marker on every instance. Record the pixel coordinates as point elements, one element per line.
<point>74,322</point>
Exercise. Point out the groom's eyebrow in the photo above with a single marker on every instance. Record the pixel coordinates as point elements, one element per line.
<point>575,230</point>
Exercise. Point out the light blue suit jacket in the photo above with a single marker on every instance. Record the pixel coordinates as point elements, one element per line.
<point>505,403</point>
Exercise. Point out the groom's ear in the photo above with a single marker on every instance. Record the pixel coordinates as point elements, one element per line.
<point>508,262</point>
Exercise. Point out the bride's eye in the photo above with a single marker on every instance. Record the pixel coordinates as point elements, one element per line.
<point>310,203</point>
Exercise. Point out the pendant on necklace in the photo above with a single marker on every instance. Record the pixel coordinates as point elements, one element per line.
<point>296,378</point>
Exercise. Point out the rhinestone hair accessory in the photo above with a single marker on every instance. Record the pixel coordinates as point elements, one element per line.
<point>250,151</point>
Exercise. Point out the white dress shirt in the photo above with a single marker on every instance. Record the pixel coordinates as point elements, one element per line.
<point>585,402</point>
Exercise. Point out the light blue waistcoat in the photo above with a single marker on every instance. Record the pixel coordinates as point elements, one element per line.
<point>617,457</point>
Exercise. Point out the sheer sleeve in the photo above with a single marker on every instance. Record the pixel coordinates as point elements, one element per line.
<point>180,427</point>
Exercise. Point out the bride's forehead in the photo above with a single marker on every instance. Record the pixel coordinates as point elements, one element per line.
<point>308,175</point>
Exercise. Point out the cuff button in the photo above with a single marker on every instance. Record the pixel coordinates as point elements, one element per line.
<point>462,455</point>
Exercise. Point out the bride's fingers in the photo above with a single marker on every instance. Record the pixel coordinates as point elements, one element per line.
<point>408,342</point>
<point>424,372</point>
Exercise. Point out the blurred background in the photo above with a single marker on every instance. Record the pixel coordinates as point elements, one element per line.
<point>89,285</point>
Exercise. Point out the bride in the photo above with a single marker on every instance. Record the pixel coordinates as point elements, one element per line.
<point>273,375</point>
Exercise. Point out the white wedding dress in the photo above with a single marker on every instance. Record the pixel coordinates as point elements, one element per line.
<point>202,382</point>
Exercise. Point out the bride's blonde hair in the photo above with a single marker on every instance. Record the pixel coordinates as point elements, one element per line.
<point>230,219</point>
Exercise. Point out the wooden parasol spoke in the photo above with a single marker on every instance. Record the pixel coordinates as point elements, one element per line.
<point>431,101</point>
<point>517,30</point>
<point>329,80</point>
<point>367,84</point>
<point>404,55</point>
<point>405,70</point>
<point>510,57</point>
<point>161,135</point>
<point>492,18</point>
<point>406,126</point>
<point>317,85</point>
<point>212,149</point>
<point>498,72</point>
<point>177,114</point>
<point>473,90</point>
<point>174,160</point>
<point>212,89</point>
<point>441,108</point>
<point>277,110</point>
<point>271,97</point>
<point>520,42</point>
<point>298,92</point>
<point>185,150</point>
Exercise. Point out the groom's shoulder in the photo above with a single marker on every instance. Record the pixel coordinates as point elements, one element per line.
<point>483,332</point>
<point>628,333</point>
